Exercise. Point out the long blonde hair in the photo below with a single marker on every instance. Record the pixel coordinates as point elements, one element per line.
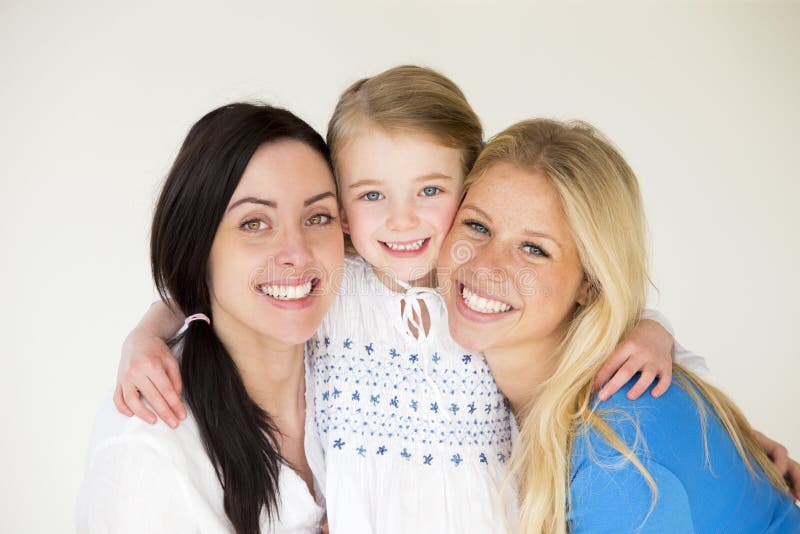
<point>602,202</point>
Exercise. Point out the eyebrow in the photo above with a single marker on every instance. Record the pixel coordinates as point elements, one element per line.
<point>423,178</point>
<point>273,204</point>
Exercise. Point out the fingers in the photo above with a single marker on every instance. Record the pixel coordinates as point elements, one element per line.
<point>622,377</point>
<point>792,476</point>
<point>645,379</point>
<point>154,397</point>
<point>119,402</point>
<point>614,362</point>
<point>664,381</point>
<point>164,383</point>
<point>130,395</point>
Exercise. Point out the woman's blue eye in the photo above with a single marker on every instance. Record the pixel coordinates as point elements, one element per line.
<point>476,226</point>
<point>533,250</point>
<point>430,191</point>
<point>372,196</point>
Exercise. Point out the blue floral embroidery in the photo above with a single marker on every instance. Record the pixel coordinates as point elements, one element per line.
<point>316,343</point>
<point>327,341</point>
<point>356,396</point>
<point>405,454</point>
<point>338,444</point>
<point>348,343</point>
<point>336,393</point>
<point>326,395</point>
<point>435,407</point>
<point>375,399</point>
<point>483,459</point>
<point>414,358</point>
<point>393,353</point>
<point>427,459</point>
<point>369,349</point>
<point>414,405</point>
<point>456,459</point>
<point>466,358</point>
<point>381,450</point>
<point>454,408</point>
<point>488,408</point>
<point>501,457</point>
<point>471,407</point>
<point>436,357</point>
<point>361,451</point>
<point>394,402</point>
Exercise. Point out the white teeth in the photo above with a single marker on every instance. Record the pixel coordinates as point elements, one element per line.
<point>286,292</point>
<point>481,304</point>
<point>416,245</point>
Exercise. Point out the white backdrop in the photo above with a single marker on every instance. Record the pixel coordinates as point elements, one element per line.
<point>95,98</point>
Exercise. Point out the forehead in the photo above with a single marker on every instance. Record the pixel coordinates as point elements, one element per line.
<point>284,168</point>
<point>519,198</point>
<point>377,154</point>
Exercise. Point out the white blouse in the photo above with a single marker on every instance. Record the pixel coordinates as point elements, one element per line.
<point>153,479</point>
<point>414,434</point>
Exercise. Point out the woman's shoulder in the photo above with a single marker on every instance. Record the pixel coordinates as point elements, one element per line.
<point>129,439</point>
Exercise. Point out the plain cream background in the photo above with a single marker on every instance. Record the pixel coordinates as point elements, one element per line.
<point>95,98</point>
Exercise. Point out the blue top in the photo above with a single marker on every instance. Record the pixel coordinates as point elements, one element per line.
<point>696,493</point>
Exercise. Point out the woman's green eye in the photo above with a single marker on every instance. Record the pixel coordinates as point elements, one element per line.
<point>254,225</point>
<point>319,218</point>
<point>431,191</point>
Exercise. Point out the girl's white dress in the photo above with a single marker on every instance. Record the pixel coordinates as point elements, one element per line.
<point>413,433</point>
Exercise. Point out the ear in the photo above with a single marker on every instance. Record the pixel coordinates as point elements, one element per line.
<point>586,292</point>
<point>343,220</point>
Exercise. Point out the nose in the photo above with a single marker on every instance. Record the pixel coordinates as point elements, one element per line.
<point>402,216</point>
<point>489,264</point>
<point>293,250</point>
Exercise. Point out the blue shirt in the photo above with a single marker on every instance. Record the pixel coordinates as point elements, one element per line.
<point>696,492</point>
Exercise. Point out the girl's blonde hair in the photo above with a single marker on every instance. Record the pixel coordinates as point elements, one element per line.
<point>407,99</point>
<point>601,199</point>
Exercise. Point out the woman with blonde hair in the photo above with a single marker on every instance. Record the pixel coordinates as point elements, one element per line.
<point>550,238</point>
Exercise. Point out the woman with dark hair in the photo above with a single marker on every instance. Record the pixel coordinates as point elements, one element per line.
<point>245,238</point>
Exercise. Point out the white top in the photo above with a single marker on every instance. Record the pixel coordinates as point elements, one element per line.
<point>152,479</point>
<point>413,434</point>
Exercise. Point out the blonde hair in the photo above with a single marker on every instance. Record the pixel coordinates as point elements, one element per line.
<point>601,199</point>
<point>407,99</point>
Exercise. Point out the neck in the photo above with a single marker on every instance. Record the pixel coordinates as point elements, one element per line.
<point>385,277</point>
<point>273,372</point>
<point>521,370</point>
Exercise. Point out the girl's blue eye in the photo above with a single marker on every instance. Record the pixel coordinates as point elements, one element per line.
<point>372,196</point>
<point>430,191</point>
<point>476,226</point>
<point>533,250</point>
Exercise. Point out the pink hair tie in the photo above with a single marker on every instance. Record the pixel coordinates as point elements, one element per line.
<point>196,317</point>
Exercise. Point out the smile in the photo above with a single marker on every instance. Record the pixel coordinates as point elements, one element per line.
<point>405,246</point>
<point>287,292</point>
<point>482,304</point>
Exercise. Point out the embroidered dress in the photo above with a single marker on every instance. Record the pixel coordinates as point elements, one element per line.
<point>414,434</point>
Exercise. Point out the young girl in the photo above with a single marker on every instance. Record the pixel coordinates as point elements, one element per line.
<point>411,430</point>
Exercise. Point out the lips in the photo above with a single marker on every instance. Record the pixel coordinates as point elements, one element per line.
<point>406,248</point>
<point>285,290</point>
<point>480,305</point>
